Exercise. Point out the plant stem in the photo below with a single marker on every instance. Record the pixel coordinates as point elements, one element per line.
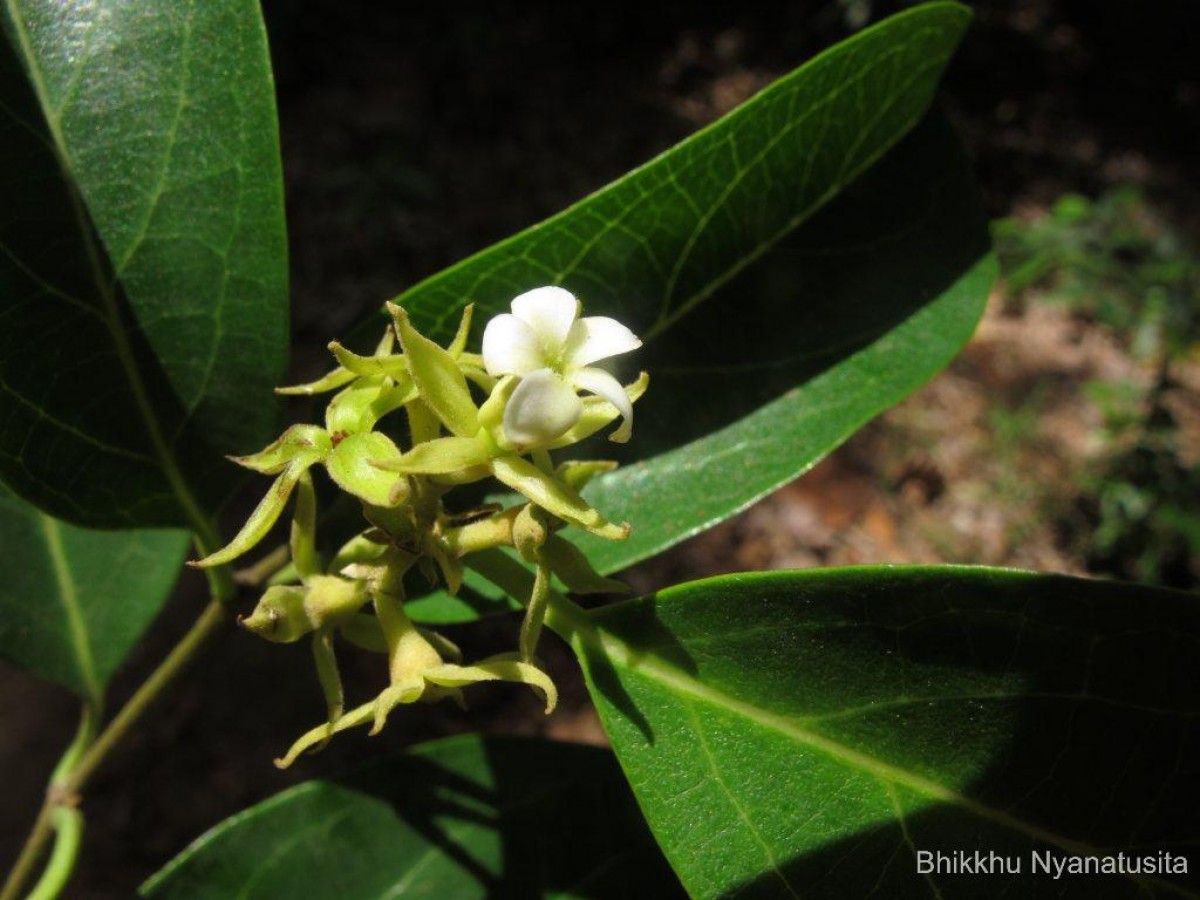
<point>45,824</point>
<point>31,852</point>
<point>213,617</point>
<point>68,828</point>
<point>59,815</point>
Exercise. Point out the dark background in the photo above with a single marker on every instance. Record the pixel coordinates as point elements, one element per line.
<point>414,135</point>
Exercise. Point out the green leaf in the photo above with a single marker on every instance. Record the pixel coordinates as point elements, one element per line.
<point>784,296</point>
<point>73,602</point>
<point>804,733</point>
<point>142,255</point>
<point>903,241</point>
<point>860,307</point>
<point>465,817</point>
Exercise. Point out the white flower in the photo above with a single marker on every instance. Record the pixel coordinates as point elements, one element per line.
<point>547,345</point>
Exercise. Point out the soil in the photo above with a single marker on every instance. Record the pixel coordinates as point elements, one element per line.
<point>413,137</point>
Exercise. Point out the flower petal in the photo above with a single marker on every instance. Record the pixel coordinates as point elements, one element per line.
<point>602,384</point>
<point>595,338</point>
<point>549,311</point>
<point>541,408</point>
<point>510,347</point>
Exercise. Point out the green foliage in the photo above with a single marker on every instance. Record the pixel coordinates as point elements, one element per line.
<point>1140,506</point>
<point>143,263</point>
<point>73,601</point>
<point>1113,258</point>
<point>466,817</point>
<point>859,292</point>
<point>794,269</point>
<point>894,285</point>
<point>803,733</point>
<point>1118,261</point>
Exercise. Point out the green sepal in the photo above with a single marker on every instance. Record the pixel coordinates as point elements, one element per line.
<point>359,549</point>
<point>554,497</point>
<point>504,667</point>
<point>478,376</point>
<point>320,735</point>
<point>365,402</point>
<point>438,377</point>
<point>597,414</point>
<point>279,616</point>
<point>572,567</point>
<point>300,442</point>
<point>576,473</point>
<point>303,541</point>
<point>350,465</point>
<point>423,425</point>
<point>263,517</point>
<point>328,676</point>
<point>394,367</point>
<point>459,344</point>
<point>442,456</point>
<point>339,377</point>
<point>462,476</point>
<point>491,414</point>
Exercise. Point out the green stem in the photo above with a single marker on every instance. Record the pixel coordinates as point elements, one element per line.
<point>68,830</point>
<point>535,613</point>
<point>569,620</point>
<point>30,853</point>
<point>214,616</point>
<point>59,816</point>
<point>45,825</point>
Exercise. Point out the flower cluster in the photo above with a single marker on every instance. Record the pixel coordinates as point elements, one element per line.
<point>534,363</point>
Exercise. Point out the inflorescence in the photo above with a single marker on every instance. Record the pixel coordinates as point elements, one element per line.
<point>534,362</point>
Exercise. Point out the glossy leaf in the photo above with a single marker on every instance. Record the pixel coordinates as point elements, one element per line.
<point>465,817</point>
<point>142,255</point>
<point>74,601</point>
<point>906,237</point>
<point>784,296</point>
<point>859,308</point>
<point>805,733</point>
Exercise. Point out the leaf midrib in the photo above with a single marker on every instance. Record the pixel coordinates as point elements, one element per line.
<point>164,453</point>
<point>577,627</point>
<point>666,317</point>
<point>68,595</point>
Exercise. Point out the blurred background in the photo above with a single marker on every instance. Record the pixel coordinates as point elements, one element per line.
<point>1066,437</point>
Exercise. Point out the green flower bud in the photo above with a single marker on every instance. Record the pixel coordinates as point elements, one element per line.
<point>280,615</point>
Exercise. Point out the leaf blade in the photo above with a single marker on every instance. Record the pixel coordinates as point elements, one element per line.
<point>462,817</point>
<point>148,196</point>
<point>491,277</point>
<point>760,370</point>
<point>73,602</point>
<point>829,720</point>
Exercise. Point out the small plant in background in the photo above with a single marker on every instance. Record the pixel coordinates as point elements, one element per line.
<point>789,272</point>
<point>1115,261</point>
